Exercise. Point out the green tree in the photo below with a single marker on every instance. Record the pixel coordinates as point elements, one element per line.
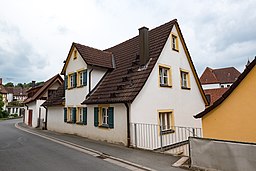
<point>9,84</point>
<point>1,105</point>
<point>19,85</point>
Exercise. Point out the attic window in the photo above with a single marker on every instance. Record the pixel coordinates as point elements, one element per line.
<point>75,54</point>
<point>175,45</point>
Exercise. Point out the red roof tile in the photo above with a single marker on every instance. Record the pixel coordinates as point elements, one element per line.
<point>215,94</point>
<point>221,76</point>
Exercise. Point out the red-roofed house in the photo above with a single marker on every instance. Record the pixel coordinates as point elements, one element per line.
<point>35,113</point>
<point>219,78</point>
<point>148,79</point>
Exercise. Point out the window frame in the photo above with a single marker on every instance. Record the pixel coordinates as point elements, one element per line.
<point>168,119</point>
<point>69,114</point>
<point>174,42</point>
<point>187,78</point>
<point>161,77</point>
<point>75,54</point>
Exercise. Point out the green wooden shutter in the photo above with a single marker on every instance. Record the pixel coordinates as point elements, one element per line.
<point>65,82</point>
<point>74,115</point>
<point>96,116</point>
<point>85,78</point>
<point>85,115</point>
<point>75,80</point>
<point>111,117</point>
<point>65,114</point>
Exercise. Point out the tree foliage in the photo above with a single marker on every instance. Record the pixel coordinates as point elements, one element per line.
<point>9,84</point>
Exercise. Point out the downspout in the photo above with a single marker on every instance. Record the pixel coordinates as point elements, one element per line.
<point>90,76</point>
<point>25,112</point>
<point>46,116</point>
<point>128,124</point>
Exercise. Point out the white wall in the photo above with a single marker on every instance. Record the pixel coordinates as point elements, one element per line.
<point>116,135</point>
<point>184,103</point>
<point>35,106</point>
<point>214,86</point>
<point>9,97</point>
<point>75,96</point>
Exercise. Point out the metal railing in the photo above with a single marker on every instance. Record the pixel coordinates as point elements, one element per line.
<point>153,137</point>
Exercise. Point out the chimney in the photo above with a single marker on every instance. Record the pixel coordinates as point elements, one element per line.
<point>143,45</point>
<point>1,81</point>
<point>33,84</point>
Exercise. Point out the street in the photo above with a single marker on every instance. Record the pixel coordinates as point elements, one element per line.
<point>23,151</point>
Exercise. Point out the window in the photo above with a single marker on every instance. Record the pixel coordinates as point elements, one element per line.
<point>185,82</point>
<point>80,115</point>
<point>75,54</point>
<point>175,46</point>
<point>104,117</point>
<point>82,78</point>
<point>72,80</point>
<point>164,76</point>
<point>71,115</point>
<point>166,121</point>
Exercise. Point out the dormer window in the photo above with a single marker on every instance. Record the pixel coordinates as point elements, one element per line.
<point>75,54</point>
<point>175,45</point>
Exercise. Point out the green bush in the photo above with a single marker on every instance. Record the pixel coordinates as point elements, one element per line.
<point>5,114</point>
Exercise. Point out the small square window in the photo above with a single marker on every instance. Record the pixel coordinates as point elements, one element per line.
<point>185,84</point>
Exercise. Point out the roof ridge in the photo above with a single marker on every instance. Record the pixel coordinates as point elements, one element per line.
<point>91,47</point>
<point>169,22</point>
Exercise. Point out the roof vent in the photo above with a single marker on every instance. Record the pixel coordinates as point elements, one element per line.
<point>143,45</point>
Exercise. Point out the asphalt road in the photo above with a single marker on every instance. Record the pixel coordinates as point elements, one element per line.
<point>26,152</point>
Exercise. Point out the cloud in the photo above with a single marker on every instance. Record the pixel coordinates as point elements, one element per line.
<point>18,58</point>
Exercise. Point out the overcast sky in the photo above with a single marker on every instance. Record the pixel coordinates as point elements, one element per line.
<point>36,35</point>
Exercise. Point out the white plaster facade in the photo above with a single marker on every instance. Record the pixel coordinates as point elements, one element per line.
<point>37,110</point>
<point>117,135</point>
<point>183,103</point>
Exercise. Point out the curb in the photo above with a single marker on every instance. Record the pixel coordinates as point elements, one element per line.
<point>89,151</point>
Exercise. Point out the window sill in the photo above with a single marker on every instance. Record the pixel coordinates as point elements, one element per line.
<point>104,126</point>
<point>79,123</point>
<point>70,88</point>
<point>80,86</point>
<point>186,88</point>
<point>162,85</point>
<point>70,122</point>
<point>175,50</point>
<point>169,131</point>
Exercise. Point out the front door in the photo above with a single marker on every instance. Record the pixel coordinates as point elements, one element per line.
<point>30,117</point>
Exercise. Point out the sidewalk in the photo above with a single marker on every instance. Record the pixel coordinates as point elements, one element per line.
<point>149,159</point>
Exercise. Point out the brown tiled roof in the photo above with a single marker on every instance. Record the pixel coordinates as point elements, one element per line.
<point>229,91</point>
<point>17,91</point>
<point>124,82</point>
<point>58,98</point>
<point>222,75</point>
<point>3,90</point>
<point>43,88</point>
<point>215,94</point>
<point>91,56</point>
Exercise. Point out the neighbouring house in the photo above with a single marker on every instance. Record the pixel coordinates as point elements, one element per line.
<point>15,98</point>
<point>3,92</point>
<point>232,117</point>
<point>149,79</point>
<point>219,78</point>
<point>55,105</point>
<point>35,114</point>
<point>215,82</point>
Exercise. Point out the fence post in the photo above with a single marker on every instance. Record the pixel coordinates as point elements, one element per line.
<point>193,130</point>
<point>161,140</point>
<point>135,134</point>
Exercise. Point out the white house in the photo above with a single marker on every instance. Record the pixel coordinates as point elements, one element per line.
<point>149,79</point>
<point>35,113</point>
